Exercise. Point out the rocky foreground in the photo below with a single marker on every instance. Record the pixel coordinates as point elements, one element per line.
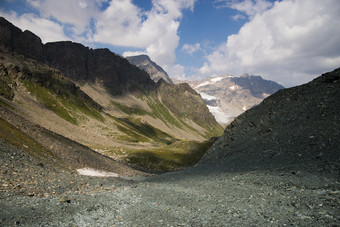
<point>276,165</point>
<point>196,197</point>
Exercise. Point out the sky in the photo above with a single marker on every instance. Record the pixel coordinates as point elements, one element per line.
<point>287,41</point>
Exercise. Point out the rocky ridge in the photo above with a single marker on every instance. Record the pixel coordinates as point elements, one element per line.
<point>145,63</point>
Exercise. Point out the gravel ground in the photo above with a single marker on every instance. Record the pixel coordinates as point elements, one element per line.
<point>194,197</point>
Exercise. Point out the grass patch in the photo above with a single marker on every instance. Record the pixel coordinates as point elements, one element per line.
<point>131,135</point>
<point>130,110</point>
<point>161,112</point>
<point>136,131</point>
<point>179,155</point>
<point>149,131</point>
<point>56,92</point>
<point>51,101</point>
<point>68,108</point>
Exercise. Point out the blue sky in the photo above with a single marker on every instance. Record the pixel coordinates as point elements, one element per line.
<point>288,41</point>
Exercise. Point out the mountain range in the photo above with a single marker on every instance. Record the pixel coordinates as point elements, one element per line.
<point>228,96</point>
<point>98,99</point>
<point>67,111</point>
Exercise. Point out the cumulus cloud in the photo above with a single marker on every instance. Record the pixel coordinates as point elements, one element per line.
<point>190,49</point>
<point>177,71</point>
<point>291,43</point>
<point>77,14</point>
<point>238,16</point>
<point>156,33</point>
<point>249,7</point>
<point>46,29</point>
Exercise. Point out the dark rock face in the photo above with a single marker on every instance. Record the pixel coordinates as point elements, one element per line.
<point>83,64</point>
<point>76,61</point>
<point>25,43</point>
<point>145,63</point>
<point>68,57</point>
<point>296,128</point>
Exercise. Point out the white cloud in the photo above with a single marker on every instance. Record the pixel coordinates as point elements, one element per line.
<point>176,71</point>
<point>154,31</point>
<point>238,16</point>
<point>122,23</point>
<point>119,25</point>
<point>190,49</point>
<point>46,29</point>
<point>290,43</point>
<point>76,14</point>
<point>249,7</point>
<point>133,53</point>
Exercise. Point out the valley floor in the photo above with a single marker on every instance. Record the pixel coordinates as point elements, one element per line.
<point>200,196</point>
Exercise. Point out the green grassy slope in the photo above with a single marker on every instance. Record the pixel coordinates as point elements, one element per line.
<point>58,94</point>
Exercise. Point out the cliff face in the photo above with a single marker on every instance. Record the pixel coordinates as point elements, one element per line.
<point>83,64</point>
<point>25,43</point>
<point>76,61</point>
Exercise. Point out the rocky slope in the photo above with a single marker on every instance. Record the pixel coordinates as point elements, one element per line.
<point>296,128</point>
<point>99,99</point>
<point>145,63</point>
<point>276,165</point>
<point>229,96</point>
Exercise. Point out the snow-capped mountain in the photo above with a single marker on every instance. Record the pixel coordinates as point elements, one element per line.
<point>228,96</point>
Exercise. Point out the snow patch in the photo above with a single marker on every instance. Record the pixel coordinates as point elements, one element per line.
<point>244,108</point>
<point>207,97</point>
<point>232,87</point>
<point>219,115</point>
<point>203,84</point>
<point>217,79</point>
<point>96,173</point>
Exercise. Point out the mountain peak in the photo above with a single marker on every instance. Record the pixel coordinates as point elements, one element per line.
<point>228,96</point>
<point>145,63</point>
